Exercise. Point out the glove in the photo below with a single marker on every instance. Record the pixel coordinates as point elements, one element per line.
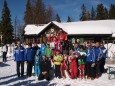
<point>93,65</point>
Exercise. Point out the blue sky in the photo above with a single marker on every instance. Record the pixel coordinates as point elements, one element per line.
<point>64,8</point>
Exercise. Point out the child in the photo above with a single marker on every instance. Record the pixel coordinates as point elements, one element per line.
<point>73,64</point>
<point>57,61</point>
<point>81,62</point>
<point>65,67</point>
<point>36,64</point>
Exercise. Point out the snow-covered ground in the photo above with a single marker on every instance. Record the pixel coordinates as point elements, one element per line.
<point>8,77</point>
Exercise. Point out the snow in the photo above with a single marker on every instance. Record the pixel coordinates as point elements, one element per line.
<point>33,29</point>
<point>8,77</point>
<point>81,27</point>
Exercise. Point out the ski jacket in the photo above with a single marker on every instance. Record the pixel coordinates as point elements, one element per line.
<point>81,58</point>
<point>98,53</point>
<point>104,52</point>
<point>45,66</point>
<point>19,54</point>
<point>48,52</point>
<point>90,55</point>
<point>30,54</point>
<point>58,59</point>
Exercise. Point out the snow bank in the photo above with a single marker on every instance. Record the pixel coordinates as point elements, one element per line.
<point>8,77</point>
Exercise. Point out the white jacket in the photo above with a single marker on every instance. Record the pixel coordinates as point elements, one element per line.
<point>4,49</point>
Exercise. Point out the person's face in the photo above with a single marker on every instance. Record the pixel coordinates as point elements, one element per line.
<point>37,53</point>
<point>101,45</point>
<point>65,56</point>
<point>29,46</point>
<point>89,45</point>
<point>76,45</point>
<point>97,44</point>
<point>42,44</point>
<point>48,45</point>
<point>84,44</point>
<point>44,57</point>
<point>35,44</point>
<point>18,44</point>
<point>71,51</point>
<point>81,49</point>
<point>54,38</point>
<point>57,52</point>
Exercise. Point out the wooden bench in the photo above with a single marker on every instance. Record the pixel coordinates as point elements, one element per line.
<point>111,70</point>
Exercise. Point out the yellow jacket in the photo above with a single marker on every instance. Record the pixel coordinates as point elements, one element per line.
<point>58,59</point>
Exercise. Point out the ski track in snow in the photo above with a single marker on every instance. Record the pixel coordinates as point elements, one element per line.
<point>8,77</point>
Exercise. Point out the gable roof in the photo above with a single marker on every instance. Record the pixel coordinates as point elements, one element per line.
<point>81,27</point>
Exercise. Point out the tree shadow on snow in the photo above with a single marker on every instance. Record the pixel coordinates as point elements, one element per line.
<point>7,76</point>
<point>4,65</point>
<point>11,80</point>
<point>29,83</point>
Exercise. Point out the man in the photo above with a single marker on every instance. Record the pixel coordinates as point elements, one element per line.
<point>103,58</point>
<point>48,52</point>
<point>42,49</point>
<point>76,47</point>
<point>98,55</point>
<point>19,57</point>
<point>5,49</point>
<point>29,59</point>
<point>84,45</point>
<point>45,67</point>
<point>90,62</point>
<point>35,48</point>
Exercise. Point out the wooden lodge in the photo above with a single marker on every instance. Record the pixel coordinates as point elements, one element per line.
<point>101,30</point>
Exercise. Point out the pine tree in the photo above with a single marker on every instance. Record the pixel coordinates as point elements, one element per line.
<point>100,12</point>
<point>69,19</point>
<point>49,13</point>
<point>40,12</point>
<point>106,13</point>
<point>58,18</point>
<point>92,14</point>
<point>6,24</point>
<point>83,13</point>
<point>88,15</point>
<point>112,11</point>
<point>28,17</point>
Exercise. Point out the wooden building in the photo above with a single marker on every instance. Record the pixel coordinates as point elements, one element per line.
<point>100,30</point>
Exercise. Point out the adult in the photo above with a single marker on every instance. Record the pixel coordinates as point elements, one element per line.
<point>84,46</point>
<point>103,58</point>
<point>98,55</point>
<point>29,59</point>
<point>35,48</point>
<point>42,49</point>
<point>90,62</point>
<point>76,47</point>
<point>5,50</point>
<point>45,67</point>
<point>19,57</point>
<point>48,51</point>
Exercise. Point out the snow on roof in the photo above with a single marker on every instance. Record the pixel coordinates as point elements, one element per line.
<point>89,27</point>
<point>81,27</point>
<point>33,29</point>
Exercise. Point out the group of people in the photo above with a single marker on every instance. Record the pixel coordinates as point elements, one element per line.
<point>65,59</point>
